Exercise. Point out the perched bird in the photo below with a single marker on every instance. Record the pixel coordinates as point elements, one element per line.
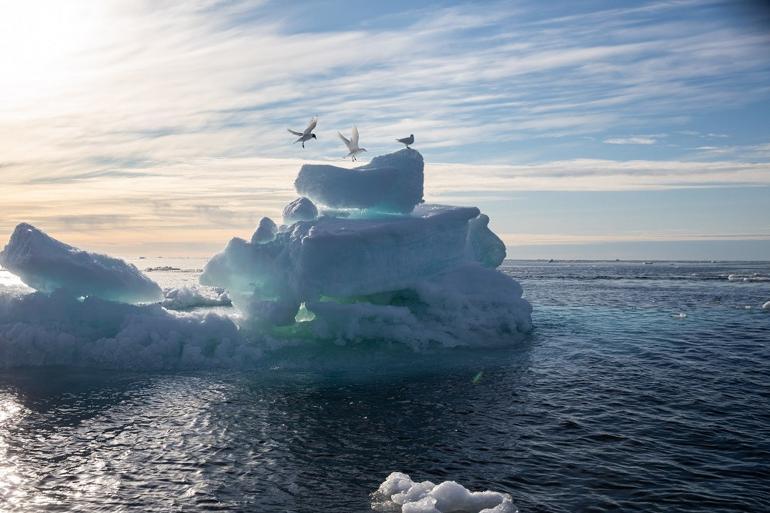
<point>407,140</point>
<point>307,134</point>
<point>352,144</point>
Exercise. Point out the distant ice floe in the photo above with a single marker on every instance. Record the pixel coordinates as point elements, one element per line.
<point>399,493</point>
<point>189,297</point>
<point>46,264</point>
<point>766,306</point>
<point>753,277</point>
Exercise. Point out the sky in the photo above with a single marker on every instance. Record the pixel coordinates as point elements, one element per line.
<point>585,129</point>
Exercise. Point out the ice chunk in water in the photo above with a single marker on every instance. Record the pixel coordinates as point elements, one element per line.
<point>389,183</point>
<point>46,264</point>
<point>399,493</point>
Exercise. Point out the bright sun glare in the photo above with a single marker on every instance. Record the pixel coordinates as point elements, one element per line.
<point>43,44</point>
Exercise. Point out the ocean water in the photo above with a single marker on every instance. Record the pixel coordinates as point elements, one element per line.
<point>644,387</point>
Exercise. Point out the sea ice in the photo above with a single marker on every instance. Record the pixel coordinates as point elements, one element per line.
<point>399,493</point>
<point>301,209</point>
<point>389,183</point>
<point>766,306</point>
<point>46,264</point>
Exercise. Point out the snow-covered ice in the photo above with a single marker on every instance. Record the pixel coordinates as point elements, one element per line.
<point>389,183</point>
<point>46,264</point>
<point>399,493</point>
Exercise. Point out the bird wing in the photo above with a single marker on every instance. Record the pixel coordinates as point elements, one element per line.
<point>311,126</point>
<point>404,140</point>
<point>354,137</point>
<point>298,134</point>
<point>345,140</point>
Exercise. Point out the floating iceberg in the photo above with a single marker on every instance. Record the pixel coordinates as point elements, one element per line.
<point>426,275</point>
<point>45,264</point>
<point>389,183</point>
<point>399,493</point>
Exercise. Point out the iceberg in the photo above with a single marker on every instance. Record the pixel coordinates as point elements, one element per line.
<point>399,493</point>
<point>46,264</point>
<point>389,183</point>
<point>423,276</point>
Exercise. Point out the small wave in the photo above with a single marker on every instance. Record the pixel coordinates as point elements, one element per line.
<point>171,269</point>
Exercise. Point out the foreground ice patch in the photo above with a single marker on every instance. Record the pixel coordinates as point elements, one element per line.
<point>46,264</point>
<point>399,493</point>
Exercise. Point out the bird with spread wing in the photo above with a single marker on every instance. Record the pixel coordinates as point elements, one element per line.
<point>352,144</point>
<point>307,134</point>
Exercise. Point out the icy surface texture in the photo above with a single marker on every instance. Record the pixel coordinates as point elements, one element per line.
<point>301,209</point>
<point>46,264</point>
<point>38,329</point>
<point>189,297</point>
<point>389,183</point>
<point>399,493</point>
<point>265,231</point>
<point>485,247</point>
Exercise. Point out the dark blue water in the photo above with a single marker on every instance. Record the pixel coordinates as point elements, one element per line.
<point>643,388</point>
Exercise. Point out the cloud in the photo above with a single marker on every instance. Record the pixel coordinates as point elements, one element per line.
<point>630,140</point>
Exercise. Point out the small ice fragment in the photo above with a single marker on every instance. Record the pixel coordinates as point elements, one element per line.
<point>399,493</point>
<point>301,209</point>
<point>680,315</point>
<point>265,231</point>
<point>766,306</point>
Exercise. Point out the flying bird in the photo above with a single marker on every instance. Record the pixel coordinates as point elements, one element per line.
<point>307,134</point>
<point>407,140</point>
<point>352,144</point>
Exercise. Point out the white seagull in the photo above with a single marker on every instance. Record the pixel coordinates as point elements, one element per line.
<point>307,134</point>
<point>407,140</point>
<point>352,144</point>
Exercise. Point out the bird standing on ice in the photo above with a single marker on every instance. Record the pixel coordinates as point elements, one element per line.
<point>407,141</point>
<point>307,134</point>
<point>352,144</point>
